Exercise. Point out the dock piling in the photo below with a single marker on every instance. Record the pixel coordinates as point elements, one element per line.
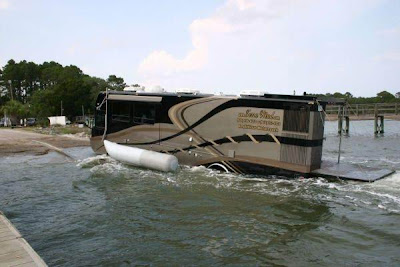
<point>340,125</point>
<point>347,125</point>
<point>379,124</point>
<point>340,120</point>
<point>343,113</point>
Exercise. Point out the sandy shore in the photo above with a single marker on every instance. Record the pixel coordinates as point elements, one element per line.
<point>19,141</point>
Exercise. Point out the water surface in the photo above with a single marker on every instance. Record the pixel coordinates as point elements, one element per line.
<point>96,211</point>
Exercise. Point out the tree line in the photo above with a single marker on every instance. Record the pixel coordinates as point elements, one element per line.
<point>381,97</point>
<point>28,89</point>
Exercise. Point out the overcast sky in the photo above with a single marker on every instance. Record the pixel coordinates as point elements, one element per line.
<point>215,46</point>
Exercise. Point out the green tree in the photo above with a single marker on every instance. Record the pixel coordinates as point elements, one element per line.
<point>44,104</point>
<point>385,96</point>
<point>348,95</point>
<point>42,88</point>
<point>339,95</point>
<point>96,85</point>
<point>10,78</point>
<point>20,80</point>
<point>116,83</point>
<point>49,72</point>
<point>14,109</point>
<point>31,79</point>
<point>3,90</point>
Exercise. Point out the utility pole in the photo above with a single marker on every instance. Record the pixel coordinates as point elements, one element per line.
<point>11,90</point>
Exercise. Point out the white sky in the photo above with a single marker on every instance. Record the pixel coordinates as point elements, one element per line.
<point>215,46</point>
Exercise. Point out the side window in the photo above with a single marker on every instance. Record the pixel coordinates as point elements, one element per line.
<point>100,111</point>
<point>120,111</point>
<point>100,118</point>
<point>144,113</point>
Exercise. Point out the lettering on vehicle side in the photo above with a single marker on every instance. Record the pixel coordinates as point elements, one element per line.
<point>263,120</point>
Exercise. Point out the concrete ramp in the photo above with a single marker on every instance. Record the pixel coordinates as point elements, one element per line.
<point>348,171</point>
<point>14,250</point>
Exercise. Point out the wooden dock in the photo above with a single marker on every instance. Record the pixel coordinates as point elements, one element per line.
<point>14,250</point>
<point>364,111</point>
<point>348,171</point>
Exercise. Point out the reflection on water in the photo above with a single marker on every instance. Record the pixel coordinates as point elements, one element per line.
<point>106,213</point>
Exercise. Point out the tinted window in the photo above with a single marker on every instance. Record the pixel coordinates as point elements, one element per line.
<point>120,111</point>
<point>100,118</point>
<point>144,113</point>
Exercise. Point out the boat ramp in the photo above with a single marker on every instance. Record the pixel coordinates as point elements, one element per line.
<point>14,250</point>
<point>349,171</point>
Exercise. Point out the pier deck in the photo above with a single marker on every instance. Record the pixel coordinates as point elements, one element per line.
<point>14,250</point>
<point>350,171</point>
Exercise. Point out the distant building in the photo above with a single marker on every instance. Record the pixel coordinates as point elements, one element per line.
<point>58,120</point>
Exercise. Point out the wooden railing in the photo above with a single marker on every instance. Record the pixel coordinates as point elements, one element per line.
<point>366,109</point>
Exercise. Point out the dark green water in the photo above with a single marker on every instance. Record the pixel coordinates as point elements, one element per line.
<point>96,211</point>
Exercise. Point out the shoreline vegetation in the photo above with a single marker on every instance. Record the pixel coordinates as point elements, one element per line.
<point>49,89</point>
<point>35,90</point>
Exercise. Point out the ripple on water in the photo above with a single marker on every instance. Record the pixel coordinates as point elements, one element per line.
<point>382,194</point>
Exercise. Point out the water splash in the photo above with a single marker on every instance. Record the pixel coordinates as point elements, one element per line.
<point>93,161</point>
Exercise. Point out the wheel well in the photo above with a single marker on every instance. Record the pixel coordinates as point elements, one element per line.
<point>218,166</point>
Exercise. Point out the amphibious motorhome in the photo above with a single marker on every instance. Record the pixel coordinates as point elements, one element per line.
<point>251,133</point>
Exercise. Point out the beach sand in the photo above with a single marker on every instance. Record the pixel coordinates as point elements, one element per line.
<point>14,141</point>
